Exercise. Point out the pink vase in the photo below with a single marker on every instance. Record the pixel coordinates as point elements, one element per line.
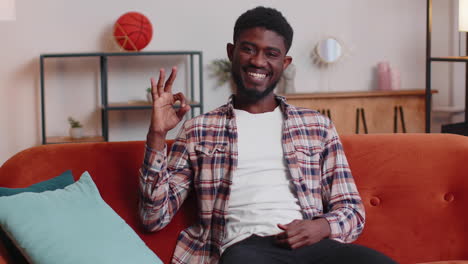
<point>384,78</point>
<point>395,79</point>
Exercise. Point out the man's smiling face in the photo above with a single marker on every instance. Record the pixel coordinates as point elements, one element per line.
<point>258,59</point>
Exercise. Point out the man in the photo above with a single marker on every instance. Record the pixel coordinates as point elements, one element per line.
<point>272,182</point>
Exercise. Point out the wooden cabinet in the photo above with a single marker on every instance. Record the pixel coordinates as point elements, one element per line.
<point>381,110</point>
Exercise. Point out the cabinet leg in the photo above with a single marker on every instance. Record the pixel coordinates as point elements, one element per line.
<point>360,114</point>
<point>402,119</point>
<point>398,110</point>
<point>363,115</point>
<point>325,112</point>
<point>357,121</point>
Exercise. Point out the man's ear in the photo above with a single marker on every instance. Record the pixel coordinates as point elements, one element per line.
<point>230,50</point>
<point>287,61</point>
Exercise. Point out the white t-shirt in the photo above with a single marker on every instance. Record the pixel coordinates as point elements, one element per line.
<point>261,191</point>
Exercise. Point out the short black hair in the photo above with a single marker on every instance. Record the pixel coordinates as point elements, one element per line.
<point>268,18</point>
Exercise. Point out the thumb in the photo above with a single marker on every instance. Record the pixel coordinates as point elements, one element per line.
<point>182,111</point>
<point>286,226</point>
<point>282,227</point>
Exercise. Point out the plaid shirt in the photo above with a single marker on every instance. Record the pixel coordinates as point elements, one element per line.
<point>204,156</point>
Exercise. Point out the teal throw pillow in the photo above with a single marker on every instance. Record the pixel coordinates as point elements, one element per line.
<point>71,225</point>
<point>58,182</point>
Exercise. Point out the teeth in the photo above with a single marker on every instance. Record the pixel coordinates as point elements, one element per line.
<point>257,75</point>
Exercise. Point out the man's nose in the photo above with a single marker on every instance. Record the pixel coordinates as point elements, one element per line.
<point>258,60</point>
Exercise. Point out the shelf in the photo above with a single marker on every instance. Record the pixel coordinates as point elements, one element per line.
<point>194,61</point>
<point>450,59</point>
<point>374,93</point>
<point>457,128</point>
<point>461,128</point>
<point>58,140</point>
<point>136,105</point>
<point>105,54</point>
<point>449,109</point>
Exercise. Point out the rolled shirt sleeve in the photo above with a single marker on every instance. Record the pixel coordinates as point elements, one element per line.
<point>163,184</point>
<point>343,205</point>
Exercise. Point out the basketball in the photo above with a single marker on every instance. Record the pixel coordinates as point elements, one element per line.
<point>133,31</point>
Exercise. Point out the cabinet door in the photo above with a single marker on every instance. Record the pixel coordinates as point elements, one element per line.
<point>379,112</point>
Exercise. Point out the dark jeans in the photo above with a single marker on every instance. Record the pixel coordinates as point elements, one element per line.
<point>258,250</point>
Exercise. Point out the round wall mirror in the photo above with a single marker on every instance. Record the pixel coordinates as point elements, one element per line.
<point>329,50</point>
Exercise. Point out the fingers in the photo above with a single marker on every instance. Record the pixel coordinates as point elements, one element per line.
<point>160,84</point>
<point>291,241</point>
<point>288,233</point>
<point>181,98</point>
<point>290,230</point>
<point>292,237</point>
<point>158,88</point>
<point>170,81</point>
<point>154,91</point>
<point>184,106</point>
<point>299,243</point>
<point>287,226</point>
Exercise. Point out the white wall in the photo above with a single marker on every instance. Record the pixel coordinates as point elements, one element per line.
<point>371,30</point>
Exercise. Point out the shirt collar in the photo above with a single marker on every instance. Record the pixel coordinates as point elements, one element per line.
<point>284,106</point>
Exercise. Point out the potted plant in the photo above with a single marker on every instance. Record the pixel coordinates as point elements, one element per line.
<point>221,70</point>
<point>76,128</point>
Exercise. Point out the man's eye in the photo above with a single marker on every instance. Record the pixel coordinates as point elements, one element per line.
<point>273,54</point>
<point>247,49</point>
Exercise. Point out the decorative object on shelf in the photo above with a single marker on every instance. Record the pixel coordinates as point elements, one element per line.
<point>327,51</point>
<point>133,31</point>
<point>76,128</point>
<point>221,69</point>
<point>286,83</point>
<point>395,79</point>
<point>7,10</point>
<point>388,77</point>
<point>383,76</point>
<point>149,96</point>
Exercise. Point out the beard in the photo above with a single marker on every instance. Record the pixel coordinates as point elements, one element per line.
<point>251,95</point>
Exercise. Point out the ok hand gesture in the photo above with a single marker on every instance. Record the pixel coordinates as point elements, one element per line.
<point>164,116</point>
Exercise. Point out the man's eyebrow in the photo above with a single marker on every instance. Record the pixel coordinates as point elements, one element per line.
<point>253,44</point>
<point>247,43</point>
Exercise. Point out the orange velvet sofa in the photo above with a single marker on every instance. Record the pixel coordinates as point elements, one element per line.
<point>414,187</point>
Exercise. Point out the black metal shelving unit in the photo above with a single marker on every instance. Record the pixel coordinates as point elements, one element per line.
<point>459,128</point>
<point>194,57</point>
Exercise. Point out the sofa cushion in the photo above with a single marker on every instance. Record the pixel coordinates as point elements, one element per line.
<point>58,182</point>
<point>71,225</point>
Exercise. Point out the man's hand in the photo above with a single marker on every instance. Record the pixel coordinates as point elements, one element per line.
<point>164,117</point>
<point>301,233</point>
